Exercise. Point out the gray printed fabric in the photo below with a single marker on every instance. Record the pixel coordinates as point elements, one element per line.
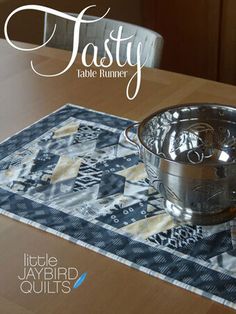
<point>74,175</point>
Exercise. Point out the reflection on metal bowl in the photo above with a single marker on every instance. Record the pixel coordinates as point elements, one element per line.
<point>189,152</point>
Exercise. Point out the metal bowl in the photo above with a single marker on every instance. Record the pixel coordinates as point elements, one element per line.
<point>189,152</point>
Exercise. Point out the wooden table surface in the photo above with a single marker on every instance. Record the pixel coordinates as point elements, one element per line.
<point>110,287</point>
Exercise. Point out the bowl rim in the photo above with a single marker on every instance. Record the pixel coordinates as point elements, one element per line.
<point>182,105</point>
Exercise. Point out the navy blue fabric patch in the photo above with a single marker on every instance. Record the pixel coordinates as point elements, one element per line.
<point>44,160</point>
<point>121,217</point>
<point>207,247</point>
<point>106,139</point>
<point>88,176</point>
<point>178,238</point>
<point>111,184</point>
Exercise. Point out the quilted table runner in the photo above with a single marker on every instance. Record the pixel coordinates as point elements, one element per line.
<point>74,175</point>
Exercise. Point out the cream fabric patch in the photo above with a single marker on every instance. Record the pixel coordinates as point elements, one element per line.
<point>146,227</point>
<point>134,173</point>
<point>65,169</point>
<point>66,130</point>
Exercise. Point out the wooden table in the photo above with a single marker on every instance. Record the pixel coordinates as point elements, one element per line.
<point>111,287</point>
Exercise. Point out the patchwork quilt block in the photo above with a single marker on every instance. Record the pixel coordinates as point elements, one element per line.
<point>73,174</point>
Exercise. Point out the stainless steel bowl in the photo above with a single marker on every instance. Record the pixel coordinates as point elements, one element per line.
<point>189,152</point>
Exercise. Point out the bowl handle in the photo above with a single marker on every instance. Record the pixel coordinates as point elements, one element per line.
<point>128,138</point>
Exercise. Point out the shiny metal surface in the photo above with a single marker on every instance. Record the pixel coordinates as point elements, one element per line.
<point>189,153</point>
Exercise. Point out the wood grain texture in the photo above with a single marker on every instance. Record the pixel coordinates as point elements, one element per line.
<point>227,66</point>
<point>191,32</point>
<point>110,286</point>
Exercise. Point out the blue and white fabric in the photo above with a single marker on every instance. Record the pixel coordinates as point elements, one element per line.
<point>74,175</point>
